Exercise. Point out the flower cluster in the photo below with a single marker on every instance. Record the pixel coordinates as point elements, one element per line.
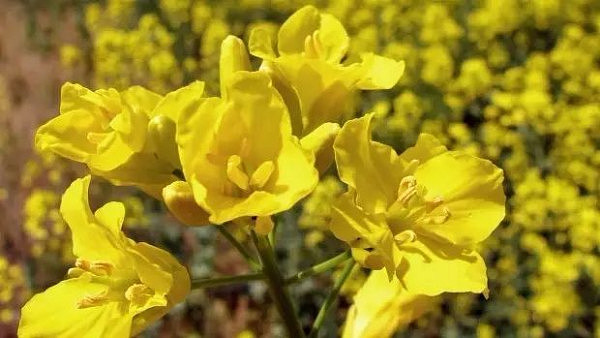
<point>514,81</point>
<point>249,154</point>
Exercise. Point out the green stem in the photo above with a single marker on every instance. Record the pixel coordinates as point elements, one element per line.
<point>320,268</point>
<point>277,287</point>
<point>253,263</point>
<point>331,297</point>
<point>200,283</point>
<point>329,264</point>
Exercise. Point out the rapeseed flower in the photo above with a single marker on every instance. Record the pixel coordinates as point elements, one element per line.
<point>126,137</point>
<point>238,152</point>
<point>117,288</point>
<point>234,58</point>
<point>308,72</point>
<point>417,214</point>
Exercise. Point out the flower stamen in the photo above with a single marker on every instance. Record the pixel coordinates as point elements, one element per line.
<point>312,46</point>
<point>92,300</point>
<point>261,175</point>
<point>235,172</point>
<point>407,189</point>
<point>138,294</point>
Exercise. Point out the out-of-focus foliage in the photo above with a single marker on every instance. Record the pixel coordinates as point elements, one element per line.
<point>515,81</point>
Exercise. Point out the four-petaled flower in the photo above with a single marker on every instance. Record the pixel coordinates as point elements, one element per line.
<point>238,152</point>
<point>117,288</point>
<point>418,214</point>
<point>307,70</point>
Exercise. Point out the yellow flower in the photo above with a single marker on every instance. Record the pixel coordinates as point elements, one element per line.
<point>416,214</point>
<point>234,58</point>
<point>238,152</point>
<point>117,287</point>
<point>381,307</point>
<point>307,71</point>
<point>126,137</point>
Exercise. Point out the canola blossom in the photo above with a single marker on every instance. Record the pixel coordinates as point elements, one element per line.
<point>239,155</point>
<point>307,68</point>
<point>126,137</point>
<point>416,214</point>
<point>116,288</point>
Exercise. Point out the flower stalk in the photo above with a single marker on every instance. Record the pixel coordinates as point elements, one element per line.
<point>221,281</point>
<point>277,287</point>
<point>331,297</point>
<point>240,248</point>
<point>320,268</point>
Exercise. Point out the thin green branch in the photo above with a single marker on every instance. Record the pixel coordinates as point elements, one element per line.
<point>331,298</point>
<point>200,283</point>
<point>327,265</point>
<point>240,248</point>
<point>277,287</point>
<point>320,268</point>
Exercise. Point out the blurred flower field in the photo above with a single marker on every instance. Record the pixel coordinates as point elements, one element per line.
<point>513,81</point>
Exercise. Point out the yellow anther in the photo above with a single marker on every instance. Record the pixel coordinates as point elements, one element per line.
<point>75,272</point>
<point>96,138</point>
<point>92,300</point>
<point>312,46</point>
<point>99,268</point>
<point>138,293</point>
<point>407,189</point>
<point>261,175</point>
<point>439,219</point>
<point>235,172</point>
<point>405,236</point>
<point>408,182</point>
<point>434,203</point>
<point>83,264</point>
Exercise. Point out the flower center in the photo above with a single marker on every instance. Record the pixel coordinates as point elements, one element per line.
<point>411,208</point>
<point>118,289</point>
<point>238,175</point>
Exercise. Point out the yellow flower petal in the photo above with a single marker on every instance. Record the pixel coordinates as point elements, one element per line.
<point>472,192</point>
<point>349,223</point>
<point>180,286</point>
<point>369,167</point>
<point>427,146</point>
<point>54,313</point>
<point>92,239</point>
<point>260,44</point>
<point>67,135</point>
<point>381,307</point>
<point>138,98</point>
<point>296,28</point>
<point>334,38</point>
<point>195,129</point>
<point>179,101</point>
<point>430,268</point>
<point>379,72</point>
<point>150,273</point>
<point>320,142</point>
<point>110,216</point>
